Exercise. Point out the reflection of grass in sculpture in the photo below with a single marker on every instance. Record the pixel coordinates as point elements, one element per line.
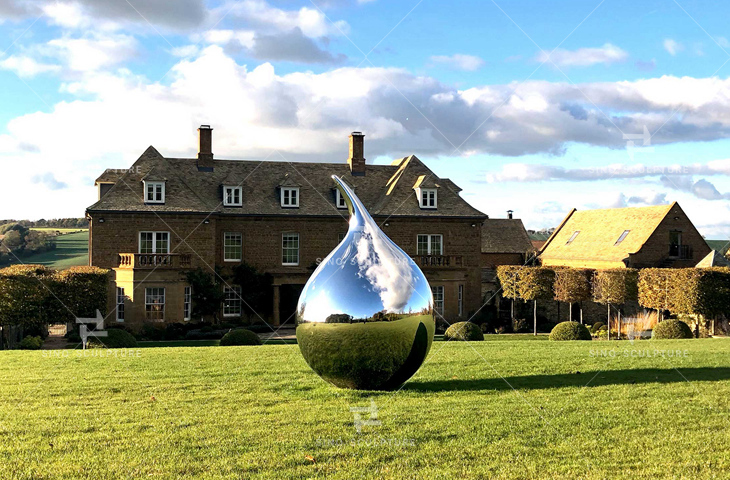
<point>361,355</point>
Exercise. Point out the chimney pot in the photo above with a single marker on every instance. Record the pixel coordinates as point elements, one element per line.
<point>356,161</point>
<point>509,213</point>
<point>205,148</point>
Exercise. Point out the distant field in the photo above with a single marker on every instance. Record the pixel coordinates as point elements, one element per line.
<point>72,249</point>
<point>62,230</point>
<point>719,245</point>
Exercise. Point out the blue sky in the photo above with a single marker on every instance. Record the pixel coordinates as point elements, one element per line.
<point>525,104</point>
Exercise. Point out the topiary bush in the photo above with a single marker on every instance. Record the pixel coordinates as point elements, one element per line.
<point>671,329</point>
<point>241,336</point>
<point>116,338</point>
<point>31,343</point>
<point>464,331</point>
<point>597,326</point>
<point>570,331</point>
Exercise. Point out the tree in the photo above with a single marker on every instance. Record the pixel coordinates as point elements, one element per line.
<point>614,287</point>
<point>508,276</point>
<point>573,285</point>
<point>206,294</point>
<point>536,283</point>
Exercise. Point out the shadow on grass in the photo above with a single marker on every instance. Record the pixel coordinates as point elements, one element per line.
<point>578,379</point>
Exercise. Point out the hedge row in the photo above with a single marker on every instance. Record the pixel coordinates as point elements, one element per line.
<point>34,294</point>
<point>698,291</point>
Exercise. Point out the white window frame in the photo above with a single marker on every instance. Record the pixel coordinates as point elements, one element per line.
<point>232,302</point>
<point>430,236</point>
<point>154,294</point>
<point>233,192</point>
<point>154,192</point>
<point>154,242</point>
<point>461,300</point>
<point>284,249</point>
<point>120,305</point>
<point>340,199</point>
<point>286,197</point>
<point>622,237</point>
<point>188,303</point>
<point>438,297</point>
<point>427,202</point>
<point>240,238</point>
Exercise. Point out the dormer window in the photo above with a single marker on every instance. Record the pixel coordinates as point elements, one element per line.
<point>429,198</point>
<point>340,199</point>
<point>154,192</point>
<point>232,196</point>
<point>290,197</point>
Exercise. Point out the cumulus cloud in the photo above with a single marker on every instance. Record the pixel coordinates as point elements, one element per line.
<point>584,57</point>
<point>48,180</point>
<point>26,67</point>
<point>93,51</point>
<point>702,189</point>
<point>672,46</point>
<point>468,63</point>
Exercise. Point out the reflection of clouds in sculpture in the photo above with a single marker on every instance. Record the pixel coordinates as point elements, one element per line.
<point>385,268</point>
<point>321,306</point>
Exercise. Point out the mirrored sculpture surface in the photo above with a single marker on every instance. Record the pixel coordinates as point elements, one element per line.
<point>365,317</point>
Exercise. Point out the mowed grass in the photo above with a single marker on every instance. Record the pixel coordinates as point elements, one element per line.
<point>72,249</point>
<point>496,409</point>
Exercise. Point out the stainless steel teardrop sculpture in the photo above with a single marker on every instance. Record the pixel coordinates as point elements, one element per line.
<point>365,317</point>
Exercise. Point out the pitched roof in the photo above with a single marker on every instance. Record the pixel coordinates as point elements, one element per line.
<point>505,235</point>
<point>384,190</point>
<point>713,259</point>
<point>599,231</point>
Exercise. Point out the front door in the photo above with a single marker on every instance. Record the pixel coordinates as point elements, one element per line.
<point>288,302</point>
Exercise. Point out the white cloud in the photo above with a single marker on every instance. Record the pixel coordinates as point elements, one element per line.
<point>459,61</point>
<point>584,57</point>
<point>93,52</point>
<point>672,46</point>
<point>26,67</point>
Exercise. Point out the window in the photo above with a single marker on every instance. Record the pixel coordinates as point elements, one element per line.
<point>621,238</point>
<point>120,304</point>
<point>154,192</point>
<point>154,304</point>
<point>438,299</point>
<point>428,198</point>
<point>572,237</point>
<point>461,300</point>
<point>290,197</point>
<point>232,196</point>
<point>188,303</point>
<point>430,245</point>
<point>232,301</point>
<point>154,242</point>
<point>290,249</point>
<point>232,247</point>
<point>340,199</point>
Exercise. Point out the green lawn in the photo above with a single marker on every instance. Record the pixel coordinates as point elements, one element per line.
<point>72,249</point>
<point>497,409</point>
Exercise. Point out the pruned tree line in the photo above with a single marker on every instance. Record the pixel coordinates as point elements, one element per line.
<point>684,291</point>
<point>32,296</point>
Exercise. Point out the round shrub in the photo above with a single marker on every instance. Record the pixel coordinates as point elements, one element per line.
<point>597,326</point>
<point>671,329</point>
<point>240,337</point>
<point>116,338</point>
<point>570,331</point>
<point>464,331</point>
<point>31,343</point>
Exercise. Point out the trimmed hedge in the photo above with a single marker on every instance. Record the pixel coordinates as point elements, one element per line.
<point>31,343</point>
<point>690,291</point>
<point>116,338</point>
<point>572,284</point>
<point>671,329</point>
<point>240,337</point>
<point>464,331</point>
<point>615,286</point>
<point>570,331</point>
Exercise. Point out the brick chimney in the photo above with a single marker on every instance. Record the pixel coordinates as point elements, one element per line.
<point>205,148</point>
<point>357,153</point>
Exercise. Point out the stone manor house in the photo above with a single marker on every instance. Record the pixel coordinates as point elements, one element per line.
<point>162,217</point>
